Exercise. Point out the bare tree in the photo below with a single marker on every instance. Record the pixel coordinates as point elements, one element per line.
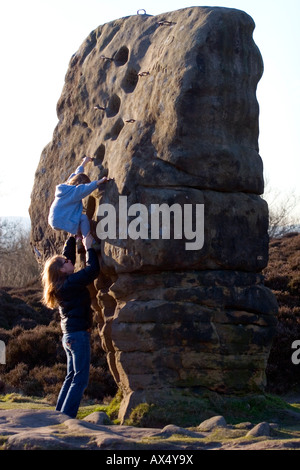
<point>18,266</point>
<point>281,207</point>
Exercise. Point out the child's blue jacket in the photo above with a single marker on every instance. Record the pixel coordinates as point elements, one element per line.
<point>66,209</point>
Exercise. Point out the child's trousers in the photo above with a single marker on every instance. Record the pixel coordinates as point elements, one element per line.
<point>84,225</point>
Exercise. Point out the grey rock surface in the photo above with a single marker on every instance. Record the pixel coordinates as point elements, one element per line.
<point>167,107</point>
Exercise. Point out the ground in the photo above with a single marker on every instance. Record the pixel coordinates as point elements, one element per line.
<point>31,424</point>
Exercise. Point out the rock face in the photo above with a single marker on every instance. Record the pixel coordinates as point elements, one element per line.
<point>167,107</point>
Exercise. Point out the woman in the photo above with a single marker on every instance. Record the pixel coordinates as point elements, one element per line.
<point>68,291</point>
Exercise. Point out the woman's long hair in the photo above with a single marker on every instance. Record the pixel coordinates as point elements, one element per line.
<point>52,279</point>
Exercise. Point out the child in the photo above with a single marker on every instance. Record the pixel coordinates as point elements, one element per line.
<point>66,209</point>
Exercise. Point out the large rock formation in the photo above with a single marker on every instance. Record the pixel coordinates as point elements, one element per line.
<point>167,107</point>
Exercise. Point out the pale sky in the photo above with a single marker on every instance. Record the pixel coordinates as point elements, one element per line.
<point>38,38</point>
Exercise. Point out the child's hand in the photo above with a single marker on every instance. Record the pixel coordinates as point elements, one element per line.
<point>103,180</point>
<point>86,160</point>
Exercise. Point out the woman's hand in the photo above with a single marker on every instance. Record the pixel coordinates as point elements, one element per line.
<point>88,241</point>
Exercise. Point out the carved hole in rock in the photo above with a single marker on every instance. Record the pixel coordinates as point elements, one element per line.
<point>115,131</point>
<point>130,80</point>
<point>76,121</point>
<point>121,56</point>
<point>99,155</point>
<point>113,106</point>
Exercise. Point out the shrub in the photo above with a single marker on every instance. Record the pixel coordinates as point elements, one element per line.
<point>45,381</point>
<point>282,277</point>
<point>17,376</point>
<point>100,384</point>
<point>34,347</point>
<point>36,363</point>
<point>19,266</point>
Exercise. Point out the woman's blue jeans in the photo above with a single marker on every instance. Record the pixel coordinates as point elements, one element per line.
<point>78,351</point>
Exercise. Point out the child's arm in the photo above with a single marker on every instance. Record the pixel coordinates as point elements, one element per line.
<point>80,168</point>
<point>86,160</point>
<point>82,190</point>
<point>103,180</point>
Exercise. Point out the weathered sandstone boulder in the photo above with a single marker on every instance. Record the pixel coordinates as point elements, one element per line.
<point>167,107</point>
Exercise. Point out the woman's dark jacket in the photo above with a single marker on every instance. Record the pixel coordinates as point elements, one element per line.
<point>73,296</point>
